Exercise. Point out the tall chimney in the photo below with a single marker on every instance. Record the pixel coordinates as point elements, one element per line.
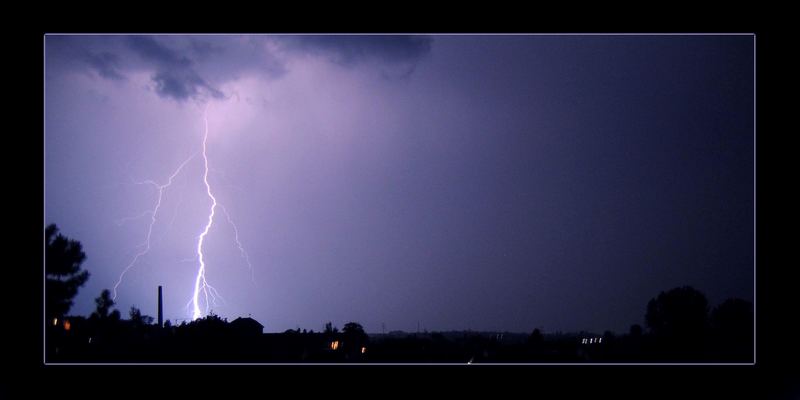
<point>160,309</point>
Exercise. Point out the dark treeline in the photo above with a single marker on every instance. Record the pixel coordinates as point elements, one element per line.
<point>679,326</point>
<point>724,335</point>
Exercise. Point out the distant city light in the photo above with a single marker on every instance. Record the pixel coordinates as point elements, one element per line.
<point>55,321</point>
<point>67,325</point>
<point>363,350</point>
<point>334,345</point>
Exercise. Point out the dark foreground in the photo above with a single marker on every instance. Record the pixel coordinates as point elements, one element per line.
<point>213,340</point>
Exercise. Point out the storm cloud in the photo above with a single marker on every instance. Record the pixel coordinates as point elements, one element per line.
<point>196,67</point>
<point>351,49</point>
<point>106,64</point>
<point>511,182</point>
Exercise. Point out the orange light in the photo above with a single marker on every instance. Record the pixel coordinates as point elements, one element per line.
<point>67,325</point>
<point>334,345</point>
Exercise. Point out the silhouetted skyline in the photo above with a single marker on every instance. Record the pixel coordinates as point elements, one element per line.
<point>456,182</point>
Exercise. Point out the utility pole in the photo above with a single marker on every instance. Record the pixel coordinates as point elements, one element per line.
<point>160,309</point>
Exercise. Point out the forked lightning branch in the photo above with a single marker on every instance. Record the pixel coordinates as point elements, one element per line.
<point>203,294</point>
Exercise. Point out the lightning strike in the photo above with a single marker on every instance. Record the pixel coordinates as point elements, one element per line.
<point>239,244</point>
<point>202,288</point>
<point>200,282</point>
<point>122,221</point>
<point>153,215</point>
<point>174,216</point>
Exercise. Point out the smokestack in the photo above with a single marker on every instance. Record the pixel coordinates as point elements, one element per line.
<point>160,309</point>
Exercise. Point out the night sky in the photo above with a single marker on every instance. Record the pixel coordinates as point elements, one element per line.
<point>484,182</point>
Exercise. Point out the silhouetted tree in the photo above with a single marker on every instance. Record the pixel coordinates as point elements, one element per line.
<point>104,304</point>
<point>733,315</point>
<point>679,320</point>
<point>635,331</point>
<point>353,337</point>
<point>330,329</point>
<point>138,319</point>
<point>536,338</point>
<point>732,329</point>
<point>353,329</point>
<point>679,312</point>
<point>63,259</point>
<point>633,344</point>
<point>212,324</point>
<point>536,344</point>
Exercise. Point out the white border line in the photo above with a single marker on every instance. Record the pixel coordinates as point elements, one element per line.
<point>400,33</point>
<point>755,306</point>
<point>301,364</point>
<point>44,197</point>
<point>44,206</point>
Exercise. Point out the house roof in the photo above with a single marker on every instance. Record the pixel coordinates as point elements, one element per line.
<point>246,321</point>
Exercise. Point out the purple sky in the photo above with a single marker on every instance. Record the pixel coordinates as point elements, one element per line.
<point>463,182</point>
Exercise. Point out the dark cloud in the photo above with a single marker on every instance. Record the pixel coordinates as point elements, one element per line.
<point>175,75</point>
<point>351,49</point>
<point>204,48</point>
<point>148,48</point>
<point>182,85</point>
<point>106,64</point>
<point>84,54</point>
<point>194,67</point>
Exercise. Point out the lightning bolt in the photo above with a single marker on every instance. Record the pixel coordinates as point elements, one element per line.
<point>174,216</point>
<point>200,283</point>
<point>122,221</point>
<point>153,215</point>
<point>239,244</point>
<point>201,286</point>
